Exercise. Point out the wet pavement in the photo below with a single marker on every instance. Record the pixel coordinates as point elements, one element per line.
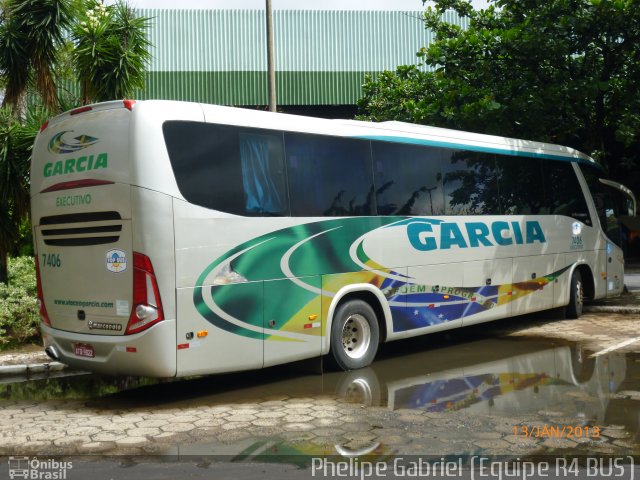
<point>527,386</point>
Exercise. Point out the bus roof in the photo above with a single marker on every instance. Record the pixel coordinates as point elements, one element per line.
<point>403,132</point>
<point>390,131</point>
<point>399,132</point>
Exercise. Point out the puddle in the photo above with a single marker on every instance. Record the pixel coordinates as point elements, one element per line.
<point>435,395</point>
<point>492,377</point>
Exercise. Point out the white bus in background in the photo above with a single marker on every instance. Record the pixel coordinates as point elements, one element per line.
<point>179,238</point>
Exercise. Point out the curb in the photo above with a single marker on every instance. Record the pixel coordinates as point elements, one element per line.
<point>8,370</point>
<point>628,309</point>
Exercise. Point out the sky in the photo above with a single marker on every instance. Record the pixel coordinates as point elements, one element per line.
<point>289,4</point>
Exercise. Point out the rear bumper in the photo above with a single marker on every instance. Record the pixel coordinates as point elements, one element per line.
<point>150,353</point>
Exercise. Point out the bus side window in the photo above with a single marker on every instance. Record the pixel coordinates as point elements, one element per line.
<point>227,168</point>
<point>521,186</point>
<point>470,183</point>
<point>407,179</point>
<point>563,192</point>
<point>263,175</point>
<point>329,176</point>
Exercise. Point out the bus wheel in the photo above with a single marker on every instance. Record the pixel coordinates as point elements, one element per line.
<point>576,296</point>
<point>354,335</point>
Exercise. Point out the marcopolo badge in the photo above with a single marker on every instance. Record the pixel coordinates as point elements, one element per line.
<point>116,261</point>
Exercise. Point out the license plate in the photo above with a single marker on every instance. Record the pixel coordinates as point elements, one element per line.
<point>84,350</point>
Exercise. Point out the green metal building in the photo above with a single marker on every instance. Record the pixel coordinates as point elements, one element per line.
<point>322,57</point>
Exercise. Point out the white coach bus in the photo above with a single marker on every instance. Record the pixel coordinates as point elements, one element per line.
<point>179,238</point>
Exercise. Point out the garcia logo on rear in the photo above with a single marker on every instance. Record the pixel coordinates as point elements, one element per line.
<point>116,261</point>
<point>59,145</point>
<point>76,165</point>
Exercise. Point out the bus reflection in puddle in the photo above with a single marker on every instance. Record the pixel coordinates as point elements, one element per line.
<point>517,380</point>
<point>562,380</point>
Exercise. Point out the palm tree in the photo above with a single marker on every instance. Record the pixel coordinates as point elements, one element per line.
<point>111,51</point>
<point>110,56</point>
<point>31,31</point>
<point>16,142</point>
<point>14,64</point>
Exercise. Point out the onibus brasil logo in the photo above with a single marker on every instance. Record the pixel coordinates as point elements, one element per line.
<point>33,468</point>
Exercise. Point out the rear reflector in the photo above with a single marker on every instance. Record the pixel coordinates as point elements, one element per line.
<point>44,126</point>
<point>76,184</point>
<point>128,104</point>
<point>147,306</point>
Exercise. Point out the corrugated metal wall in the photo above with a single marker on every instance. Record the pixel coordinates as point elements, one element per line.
<point>219,56</point>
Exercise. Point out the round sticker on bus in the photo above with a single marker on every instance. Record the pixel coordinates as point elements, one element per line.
<point>576,228</point>
<point>116,261</point>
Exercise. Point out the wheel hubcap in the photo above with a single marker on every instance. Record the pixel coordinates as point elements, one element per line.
<point>356,336</point>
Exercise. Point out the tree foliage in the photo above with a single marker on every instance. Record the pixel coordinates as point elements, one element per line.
<point>561,71</point>
<point>44,43</point>
<point>31,32</point>
<point>16,142</point>
<point>111,51</point>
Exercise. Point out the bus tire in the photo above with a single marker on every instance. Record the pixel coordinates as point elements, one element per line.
<point>355,335</point>
<point>576,296</point>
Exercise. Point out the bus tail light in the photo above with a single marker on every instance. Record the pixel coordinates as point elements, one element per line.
<point>147,307</point>
<point>42,309</point>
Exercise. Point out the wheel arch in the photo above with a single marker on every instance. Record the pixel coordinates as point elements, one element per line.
<point>588,280</point>
<point>367,293</point>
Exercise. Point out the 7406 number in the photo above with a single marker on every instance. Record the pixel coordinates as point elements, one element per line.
<point>51,260</point>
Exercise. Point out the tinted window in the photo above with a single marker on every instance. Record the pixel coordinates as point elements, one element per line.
<point>408,179</point>
<point>231,169</point>
<point>245,171</point>
<point>470,183</point>
<point>329,176</point>
<point>521,185</point>
<point>596,189</point>
<point>609,203</point>
<point>564,194</point>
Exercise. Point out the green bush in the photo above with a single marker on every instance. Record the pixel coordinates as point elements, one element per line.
<point>19,318</point>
